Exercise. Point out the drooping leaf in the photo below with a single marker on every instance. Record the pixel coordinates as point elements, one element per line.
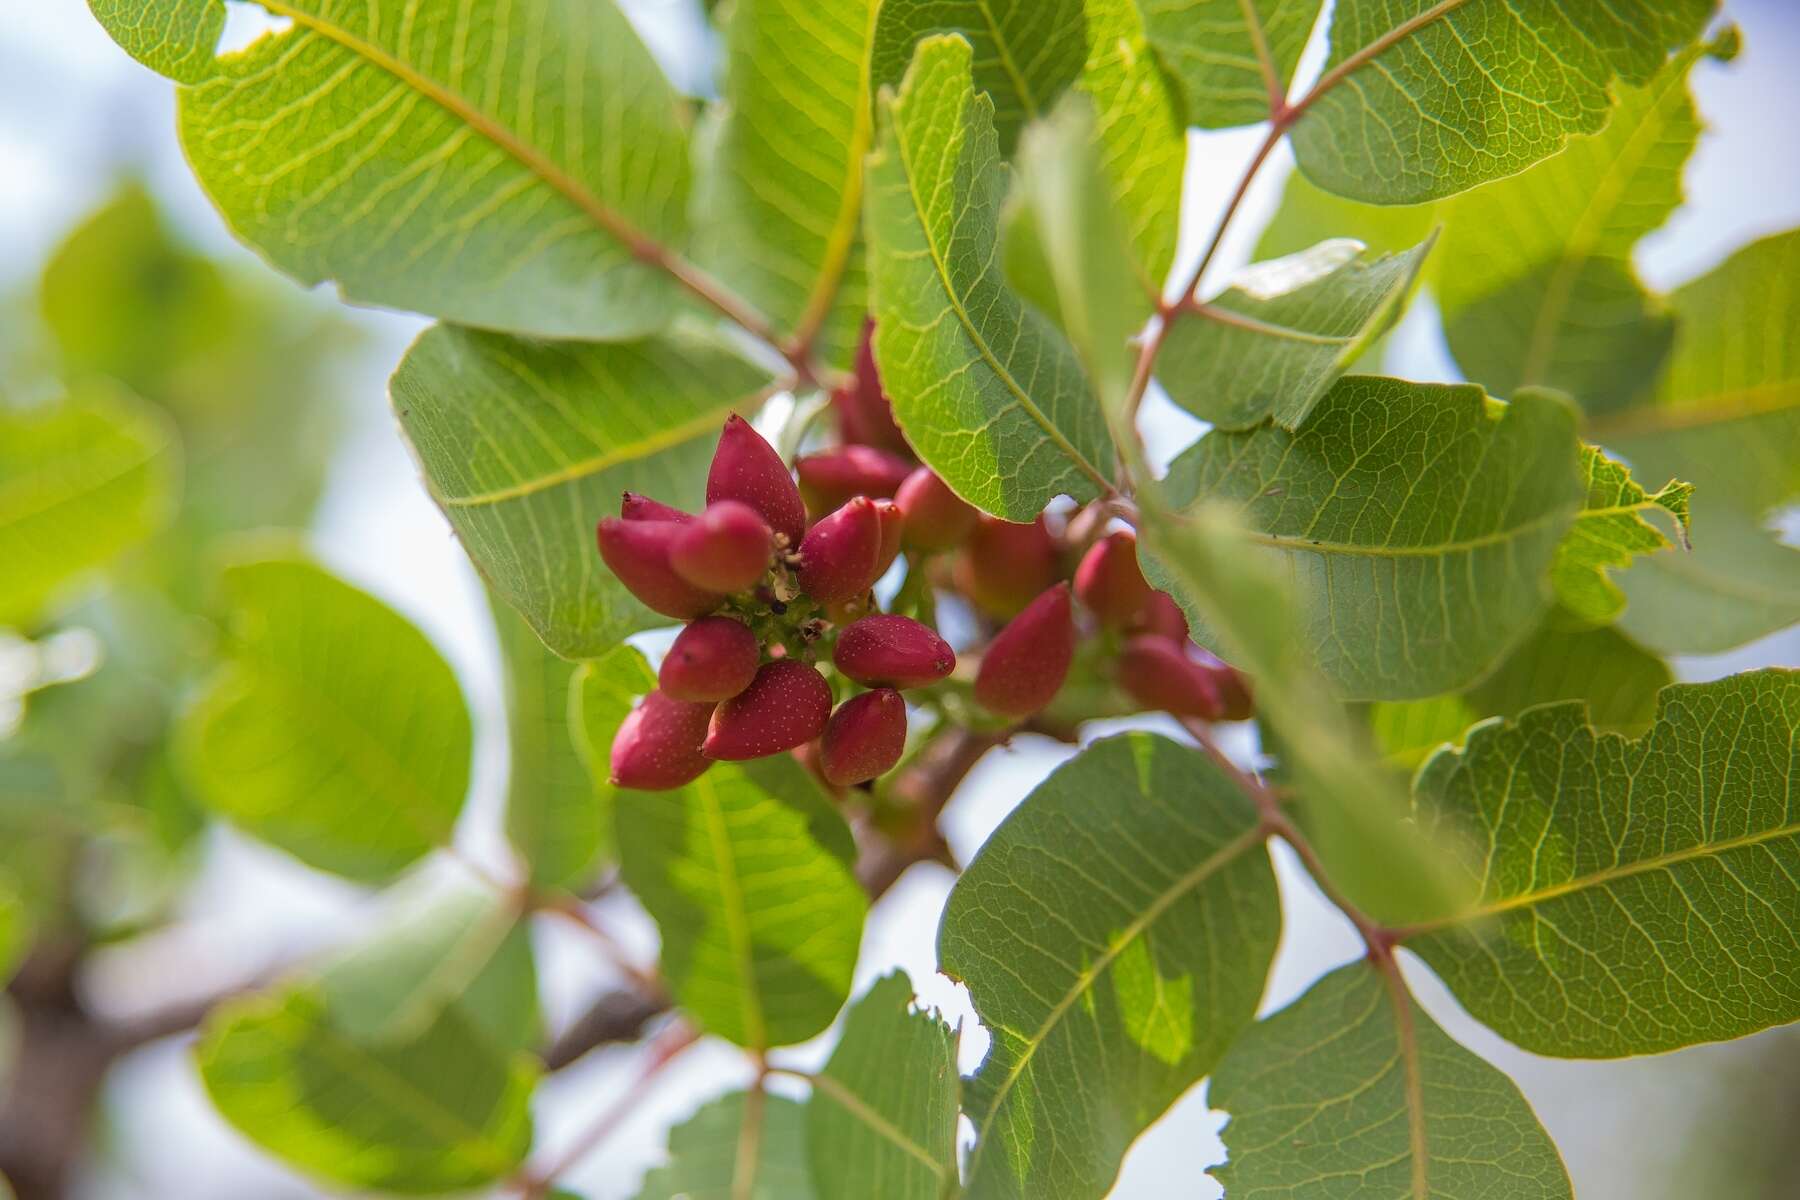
<point>1536,280</point>
<point>881,1121</point>
<point>335,730</point>
<point>1635,896</point>
<point>742,1146</point>
<point>400,1067</point>
<point>1425,98</point>
<point>511,168</point>
<point>747,873</point>
<point>987,390</point>
<point>1272,344</point>
<point>1148,861</point>
<point>1737,584</point>
<point>1419,525</point>
<point>81,481</point>
<point>1727,411</point>
<point>526,445</point>
<point>1231,56</point>
<point>780,207</point>
<point>1141,132</point>
<point>1353,1091</point>
<point>172,37</point>
<point>1245,605</point>
<point>1610,531</point>
<point>558,814</point>
<point>1025,53</point>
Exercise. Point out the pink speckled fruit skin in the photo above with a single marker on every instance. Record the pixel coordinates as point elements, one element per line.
<point>1111,585</point>
<point>713,659</point>
<point>658,744</point>
<point>1027,662</point>
<point>1159,675</point>
<point>864,738</point>
<point>893,651</point>
<point>1004,565</point>
<point>892,526</point>
<point>637,552</point>
<point>831,477</point>
<point>635,506</point>
<point>841,553</point>
<point>727,548</point>
<point>787,703</point>
<point>747,469</point>
<point>936,518</point>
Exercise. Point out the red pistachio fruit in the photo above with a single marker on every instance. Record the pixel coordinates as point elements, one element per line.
<point>713,659</point>
<point>894,651</point>
<point>841,554</point>
<point>634,506</point>
<point>1233,688</point>
<point>1163,617</point>
<point>1158,674</point>
<point>829,479</point>
<point>746,468</point>
<point>638,553</point>
<point>786,704</point>
<point>891,525</point>
<point>936,518</point>
<point>1026,663</point>
<point>726,549</point>
<point>864,415</point>
<point>1005,564</point>
<point>864,738</point>
<point>658,745</point>
<point>1110,583</point>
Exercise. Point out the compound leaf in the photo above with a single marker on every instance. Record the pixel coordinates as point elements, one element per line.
<point>335,730</point>
<point>746,871</point>
<point>1274,342</point>
<point>526,445</point>
<point>1635,896</point>
<point>987,390</point>
<point>1425,98</point>
<point>1148,861</point>
<point>1352,1090</point>
<point>1419,525</point>
<point>881,1121</point>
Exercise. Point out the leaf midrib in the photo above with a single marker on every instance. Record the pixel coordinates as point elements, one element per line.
<point>1716,408</point>
<point>1297,544</point>
<point>860,1109</point>
<point>734,907</point>
<point>955,302</point>
<point>1090,975</point>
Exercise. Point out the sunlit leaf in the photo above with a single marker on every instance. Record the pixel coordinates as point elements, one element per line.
<point>335,730</point>
<point>526,445</point>
<point>1230,54</point>
<point>742,1146</point>
<point>1610,531</point>
<point>1352,1090</point>
<point>988,392</point>
<point>1149,863</point>
<point>173,37</point>
<point>1273,343</point>
<point>1737,584</point>
<point>1617,876</point>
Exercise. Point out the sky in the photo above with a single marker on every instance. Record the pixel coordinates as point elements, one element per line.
<point>75,112</point>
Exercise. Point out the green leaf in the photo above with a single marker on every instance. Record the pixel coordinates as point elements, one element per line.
<point>1231,56</point>
<point>514,169</point>
<point>1309,215</point>
<point>1148,862</point>
<point>742,1146</point>
<point>747,873</point>
<point>1142,134</point>
<point>1025,52</point>
<point>443,1111</point>
<point>172,37</point>
<point>334,731</point>
<point>1274,342</point>
<point>778,214</point>
<point>526,445</point>
<point>1635,896</point>
<point>988,392</point>
<point>1422,99</point>
<point>1727,412</point>
<point>1536,280</point>
<point>1244,603</point>
<point>881,1121</point>
<point>1610,531</point>
<point>1353,1091</point>
<point>558,813</point>
<point>15,932</point>
<point>81,481</point>
<point>1737,584</point>
<point>1417,522</point>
